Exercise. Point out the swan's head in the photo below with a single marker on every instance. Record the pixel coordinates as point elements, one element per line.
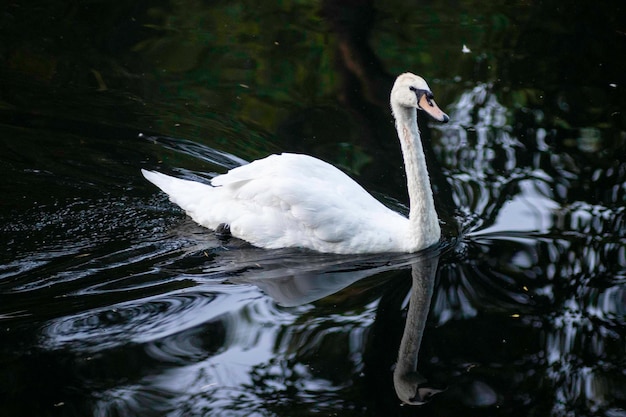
<point>411,91</point>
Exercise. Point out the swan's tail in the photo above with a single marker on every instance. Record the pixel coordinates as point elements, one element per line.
<point>187,194</point>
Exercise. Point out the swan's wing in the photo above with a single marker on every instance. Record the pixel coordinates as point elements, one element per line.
<point>299,172</point>
<point>287,200</point>
<point>297,200</point>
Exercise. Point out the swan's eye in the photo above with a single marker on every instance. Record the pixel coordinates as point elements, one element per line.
<point>421,92</point>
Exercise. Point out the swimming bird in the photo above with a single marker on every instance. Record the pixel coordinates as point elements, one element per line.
<point>295,200</point>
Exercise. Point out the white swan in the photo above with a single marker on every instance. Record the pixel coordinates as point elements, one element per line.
<point>293,200</point>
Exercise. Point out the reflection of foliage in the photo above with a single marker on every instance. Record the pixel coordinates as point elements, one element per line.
<point>561,286</point>
<point>221,71</point>
<point>231,47</point>
<point>485,156</point>
<point>565,319</point>
<point>432,37</point>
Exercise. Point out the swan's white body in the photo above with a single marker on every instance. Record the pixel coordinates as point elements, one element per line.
<point>293,200</point>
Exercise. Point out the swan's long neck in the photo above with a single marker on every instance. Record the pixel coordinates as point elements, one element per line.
<point>424,224</point>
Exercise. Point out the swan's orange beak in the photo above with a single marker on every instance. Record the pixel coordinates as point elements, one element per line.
<point>427,104</point>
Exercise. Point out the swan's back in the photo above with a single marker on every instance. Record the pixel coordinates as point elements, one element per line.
<point>290,200</point>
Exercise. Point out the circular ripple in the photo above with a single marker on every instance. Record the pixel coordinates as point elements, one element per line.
<point>136,321</point>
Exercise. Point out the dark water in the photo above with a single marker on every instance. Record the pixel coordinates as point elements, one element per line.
<point>113,303</point>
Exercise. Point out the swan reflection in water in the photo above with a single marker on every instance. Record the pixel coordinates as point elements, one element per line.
<point>293,286</point>
<point>409,384</point>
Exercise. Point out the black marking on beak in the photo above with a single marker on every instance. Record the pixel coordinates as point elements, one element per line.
<point>432,107</point>
<point>421,92</point>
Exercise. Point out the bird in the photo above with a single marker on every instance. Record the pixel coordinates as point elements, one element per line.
<point>293,200</point>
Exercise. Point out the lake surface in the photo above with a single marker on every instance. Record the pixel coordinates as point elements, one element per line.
<point>114,303</point>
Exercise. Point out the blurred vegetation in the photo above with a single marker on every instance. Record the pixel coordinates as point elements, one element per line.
<point>253,78</point>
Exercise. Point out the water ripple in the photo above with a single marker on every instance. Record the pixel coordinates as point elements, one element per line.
<point>138,321</point>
